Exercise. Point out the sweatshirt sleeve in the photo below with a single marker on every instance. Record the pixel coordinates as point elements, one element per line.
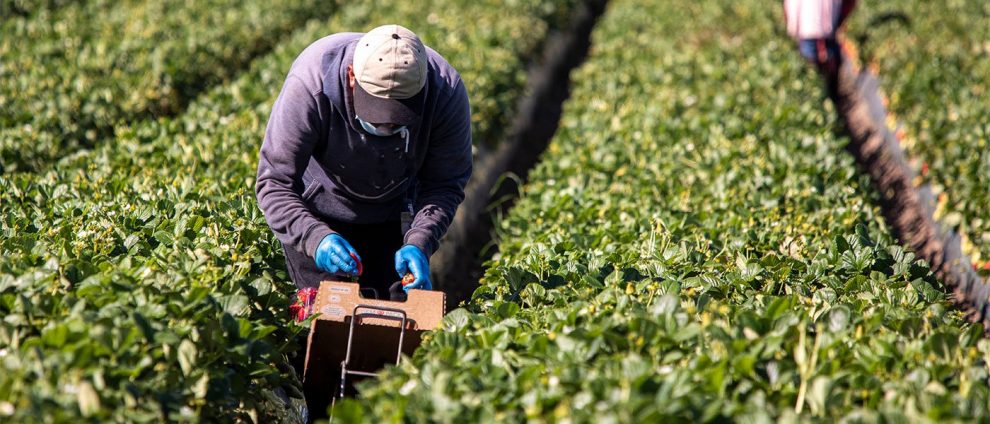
<point>294,128</point>
<point>444,173</point>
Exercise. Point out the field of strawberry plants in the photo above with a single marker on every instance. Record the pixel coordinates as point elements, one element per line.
<point>695,246</point>
<point>139,281</point>
<point>69,75</point>
<point>934,65</point>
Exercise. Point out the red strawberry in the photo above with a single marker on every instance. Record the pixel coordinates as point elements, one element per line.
<point>360,266</point>
<point>304,303</point>
<point>296,311</point>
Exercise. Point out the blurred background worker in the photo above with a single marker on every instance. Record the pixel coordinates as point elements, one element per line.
<point>814,24</point>
<point>365,159</point>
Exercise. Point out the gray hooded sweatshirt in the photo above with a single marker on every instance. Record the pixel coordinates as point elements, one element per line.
<point>317,164</point>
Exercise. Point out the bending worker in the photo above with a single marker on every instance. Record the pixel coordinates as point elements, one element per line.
<point>365,158</point>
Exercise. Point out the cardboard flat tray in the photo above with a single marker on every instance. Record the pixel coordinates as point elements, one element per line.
<point>376,336</point>
<point>336,300</point>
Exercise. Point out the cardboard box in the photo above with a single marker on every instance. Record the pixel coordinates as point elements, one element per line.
<point>375,341</point>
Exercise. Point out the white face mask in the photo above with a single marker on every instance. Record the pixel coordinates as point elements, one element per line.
<point>371,129</point>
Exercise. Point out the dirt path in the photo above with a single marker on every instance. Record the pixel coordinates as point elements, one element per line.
<point>458,265</point>
<point>907,207</point>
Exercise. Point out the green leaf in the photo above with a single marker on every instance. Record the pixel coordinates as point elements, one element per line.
<point>88,399</point>
<point>456,319</point>
<point>236,304</point>
<point>187,356</point>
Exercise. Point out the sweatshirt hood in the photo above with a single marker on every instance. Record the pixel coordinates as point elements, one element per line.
<point>335,86</point>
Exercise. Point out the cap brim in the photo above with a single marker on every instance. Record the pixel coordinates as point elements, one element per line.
<point>387,111</point>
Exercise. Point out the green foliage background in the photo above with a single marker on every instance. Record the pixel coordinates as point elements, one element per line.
<point>139,281</point>
<point>694,246</point>
<point>935,67</point>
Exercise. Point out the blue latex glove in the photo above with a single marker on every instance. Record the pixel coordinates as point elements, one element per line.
<point>410,259</point>
<point>334,255</point>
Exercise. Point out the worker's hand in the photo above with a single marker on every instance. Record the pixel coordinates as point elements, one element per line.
<point>409,259</point>
<point>334,255</point>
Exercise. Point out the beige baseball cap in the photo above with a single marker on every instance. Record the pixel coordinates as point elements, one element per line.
<point>390,67</point>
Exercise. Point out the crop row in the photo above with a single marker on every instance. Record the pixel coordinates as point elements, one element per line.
<point>934,64</point>
<point>139,279</point>
<point>694,246</point>
<point>70,75</point>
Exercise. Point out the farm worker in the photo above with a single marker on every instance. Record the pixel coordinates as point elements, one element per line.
<point>365,159</point>
<point>814,24</point>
